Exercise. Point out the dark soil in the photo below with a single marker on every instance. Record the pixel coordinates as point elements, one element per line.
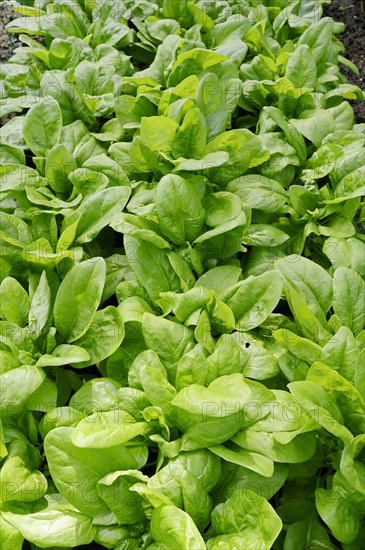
<point>349,12</point>
<point>352,14</point>
<point>8,41</point>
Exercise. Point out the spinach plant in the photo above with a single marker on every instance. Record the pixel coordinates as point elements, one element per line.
<point>182,278</point>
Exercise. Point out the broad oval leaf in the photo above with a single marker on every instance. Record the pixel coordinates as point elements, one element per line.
<point>253,299</point>
<point>349,298</point>
<point>301,68</point>
<point>98,211</point>
<point>303,274</point>
<point>102,430</point>
<point>60,527</point>
<point>151,265</point>
<point>78,298</point>
<point>245,520</point>
<point>260,192</point>
<point>65,354</point>
<point>179,210</point>
<point>42,126</point>
<point>14,302</point>
<point>17,385</point>
<point>183,532</point>
<point>103,337</point>
<point>77,482</point>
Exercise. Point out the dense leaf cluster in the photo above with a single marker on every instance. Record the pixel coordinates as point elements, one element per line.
<point>182,279</point>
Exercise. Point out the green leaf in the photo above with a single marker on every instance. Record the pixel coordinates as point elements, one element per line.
<point>349,298</point>
<point>87,181</point>
<point>11,537</point>
<point>78,481</point>
<point>260,234</point>
<point>58,84</point>
<point>309,324</point>
<point>246,459</point>
<point>130,110</point>
<point>98,394</point>
<point>64,354</point>
<point>256,191</point>
<point>224,396</point>
<point>318,405</point>
<point>304,274</point>
<point>314,125</point>
<point>346,395</point>
<point>158,133</point>
<point>59,164</point>
<point>211,160</point>
<point>98,211</point>
<point>168,339</point>
<point>253,299</point>
<point>103,337</point>
<point>341,352</point>
<point>179,210</point>
<point>339,511</point>
<point>52,526</point>
<point>152,266</point>
<point>102,430</point>
<point>126,505</point>
<point>240,524</point>
<point>15,177</point>
<point>308,531</point>
<point>211,416</point>
<point>43,398</point>
<point>245,151</point>
<point>261,363</point>
<point>17,385</point>
<point>225,230</point>
<point>345,252</point>
<point>220,278</point>
<point>212,105</point>
<point>301,68</point>
<point>139,227</point>
<point>19,478</point>
<point>300,449</point>
<point>14,302</point>
<point>148,374</point>
<point>42,126</point>
<point>240,477</point>
<point>78,298</point>
<point>40,306</point>
<point>352,469</point>
<point>190,140</point>
<point>221,207</point>
<point>302,348</point>
<point>205,466</point>
<point>293,136</point>
<point>318,37</point>
<point>178,524</point>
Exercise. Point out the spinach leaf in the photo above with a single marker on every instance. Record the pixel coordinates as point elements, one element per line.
<point>78,298</point>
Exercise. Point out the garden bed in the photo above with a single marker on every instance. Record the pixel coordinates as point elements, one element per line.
<point>182,278</point>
